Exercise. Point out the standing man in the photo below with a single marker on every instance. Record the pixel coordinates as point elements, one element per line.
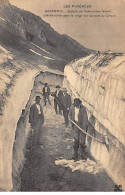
<point>46,93</point>
<point>66,103</point>
<point>36,118</point>
<point>57,100</point>
<point>78,114</point>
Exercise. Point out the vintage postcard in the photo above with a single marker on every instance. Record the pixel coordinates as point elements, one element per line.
<point>62,95</point>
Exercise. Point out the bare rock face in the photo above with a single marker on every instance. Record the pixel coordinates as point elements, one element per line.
<point>5,8</point>
<point>20,26</point>
<point>4,3</point>
<point>33,28</point>
<point>99,81</point>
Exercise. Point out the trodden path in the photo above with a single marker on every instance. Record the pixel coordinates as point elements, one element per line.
<point>50,167</point>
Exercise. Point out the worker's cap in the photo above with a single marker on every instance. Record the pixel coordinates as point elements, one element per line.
<point>64,90</point>
<point>77,102</point>
<point>57,86</point>
<point>38,98</point>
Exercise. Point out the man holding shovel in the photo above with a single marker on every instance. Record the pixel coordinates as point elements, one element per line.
<point>78,115</point>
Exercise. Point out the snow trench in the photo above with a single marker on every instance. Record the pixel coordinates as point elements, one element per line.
<point>14,124</point>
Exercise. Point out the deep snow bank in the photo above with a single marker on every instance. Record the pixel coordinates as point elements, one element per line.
<point>99,81</point>
<point>16,82</point>
<point>20,82</point>
<point>19,95</point>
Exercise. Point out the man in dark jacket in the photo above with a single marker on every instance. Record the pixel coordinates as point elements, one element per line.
<point>66,103</point>
<point>57,100</point>
<point>46,93</point>
<point>78,114</point>
<point>36,119</point>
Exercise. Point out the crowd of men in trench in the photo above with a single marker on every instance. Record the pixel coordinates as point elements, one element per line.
<point>74,114</point>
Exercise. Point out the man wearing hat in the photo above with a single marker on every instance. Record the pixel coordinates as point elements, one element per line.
<point>66,103</point>
<point>57,100</point>
<point>36,119</point>
<point>46,93</point>
<point>78,114</point>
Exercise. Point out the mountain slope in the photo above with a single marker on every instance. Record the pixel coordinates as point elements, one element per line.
<point>31,28</point>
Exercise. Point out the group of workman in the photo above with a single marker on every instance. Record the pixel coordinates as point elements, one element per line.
<point>75,114</point>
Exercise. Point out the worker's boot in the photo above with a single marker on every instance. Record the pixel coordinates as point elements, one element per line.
<point>75,146</point>
<point>75,156</point>
<point>83,152</point>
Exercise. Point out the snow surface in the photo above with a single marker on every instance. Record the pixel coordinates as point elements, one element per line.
<point>19,95</point>
<point>2,19</point>
<point>81,165</point>
<point>40,48</point>
<point>41,54</point>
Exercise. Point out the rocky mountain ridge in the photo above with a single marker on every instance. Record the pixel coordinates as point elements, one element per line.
<point>32,28</point>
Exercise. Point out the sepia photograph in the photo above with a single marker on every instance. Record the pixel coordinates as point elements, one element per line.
<point>62,95</point>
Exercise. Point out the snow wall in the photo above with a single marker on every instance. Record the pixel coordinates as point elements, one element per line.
<point>99,81</point>
<point>16,101</point>
<point>14,125</point>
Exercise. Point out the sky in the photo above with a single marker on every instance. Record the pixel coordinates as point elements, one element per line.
<point>98,33</point>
